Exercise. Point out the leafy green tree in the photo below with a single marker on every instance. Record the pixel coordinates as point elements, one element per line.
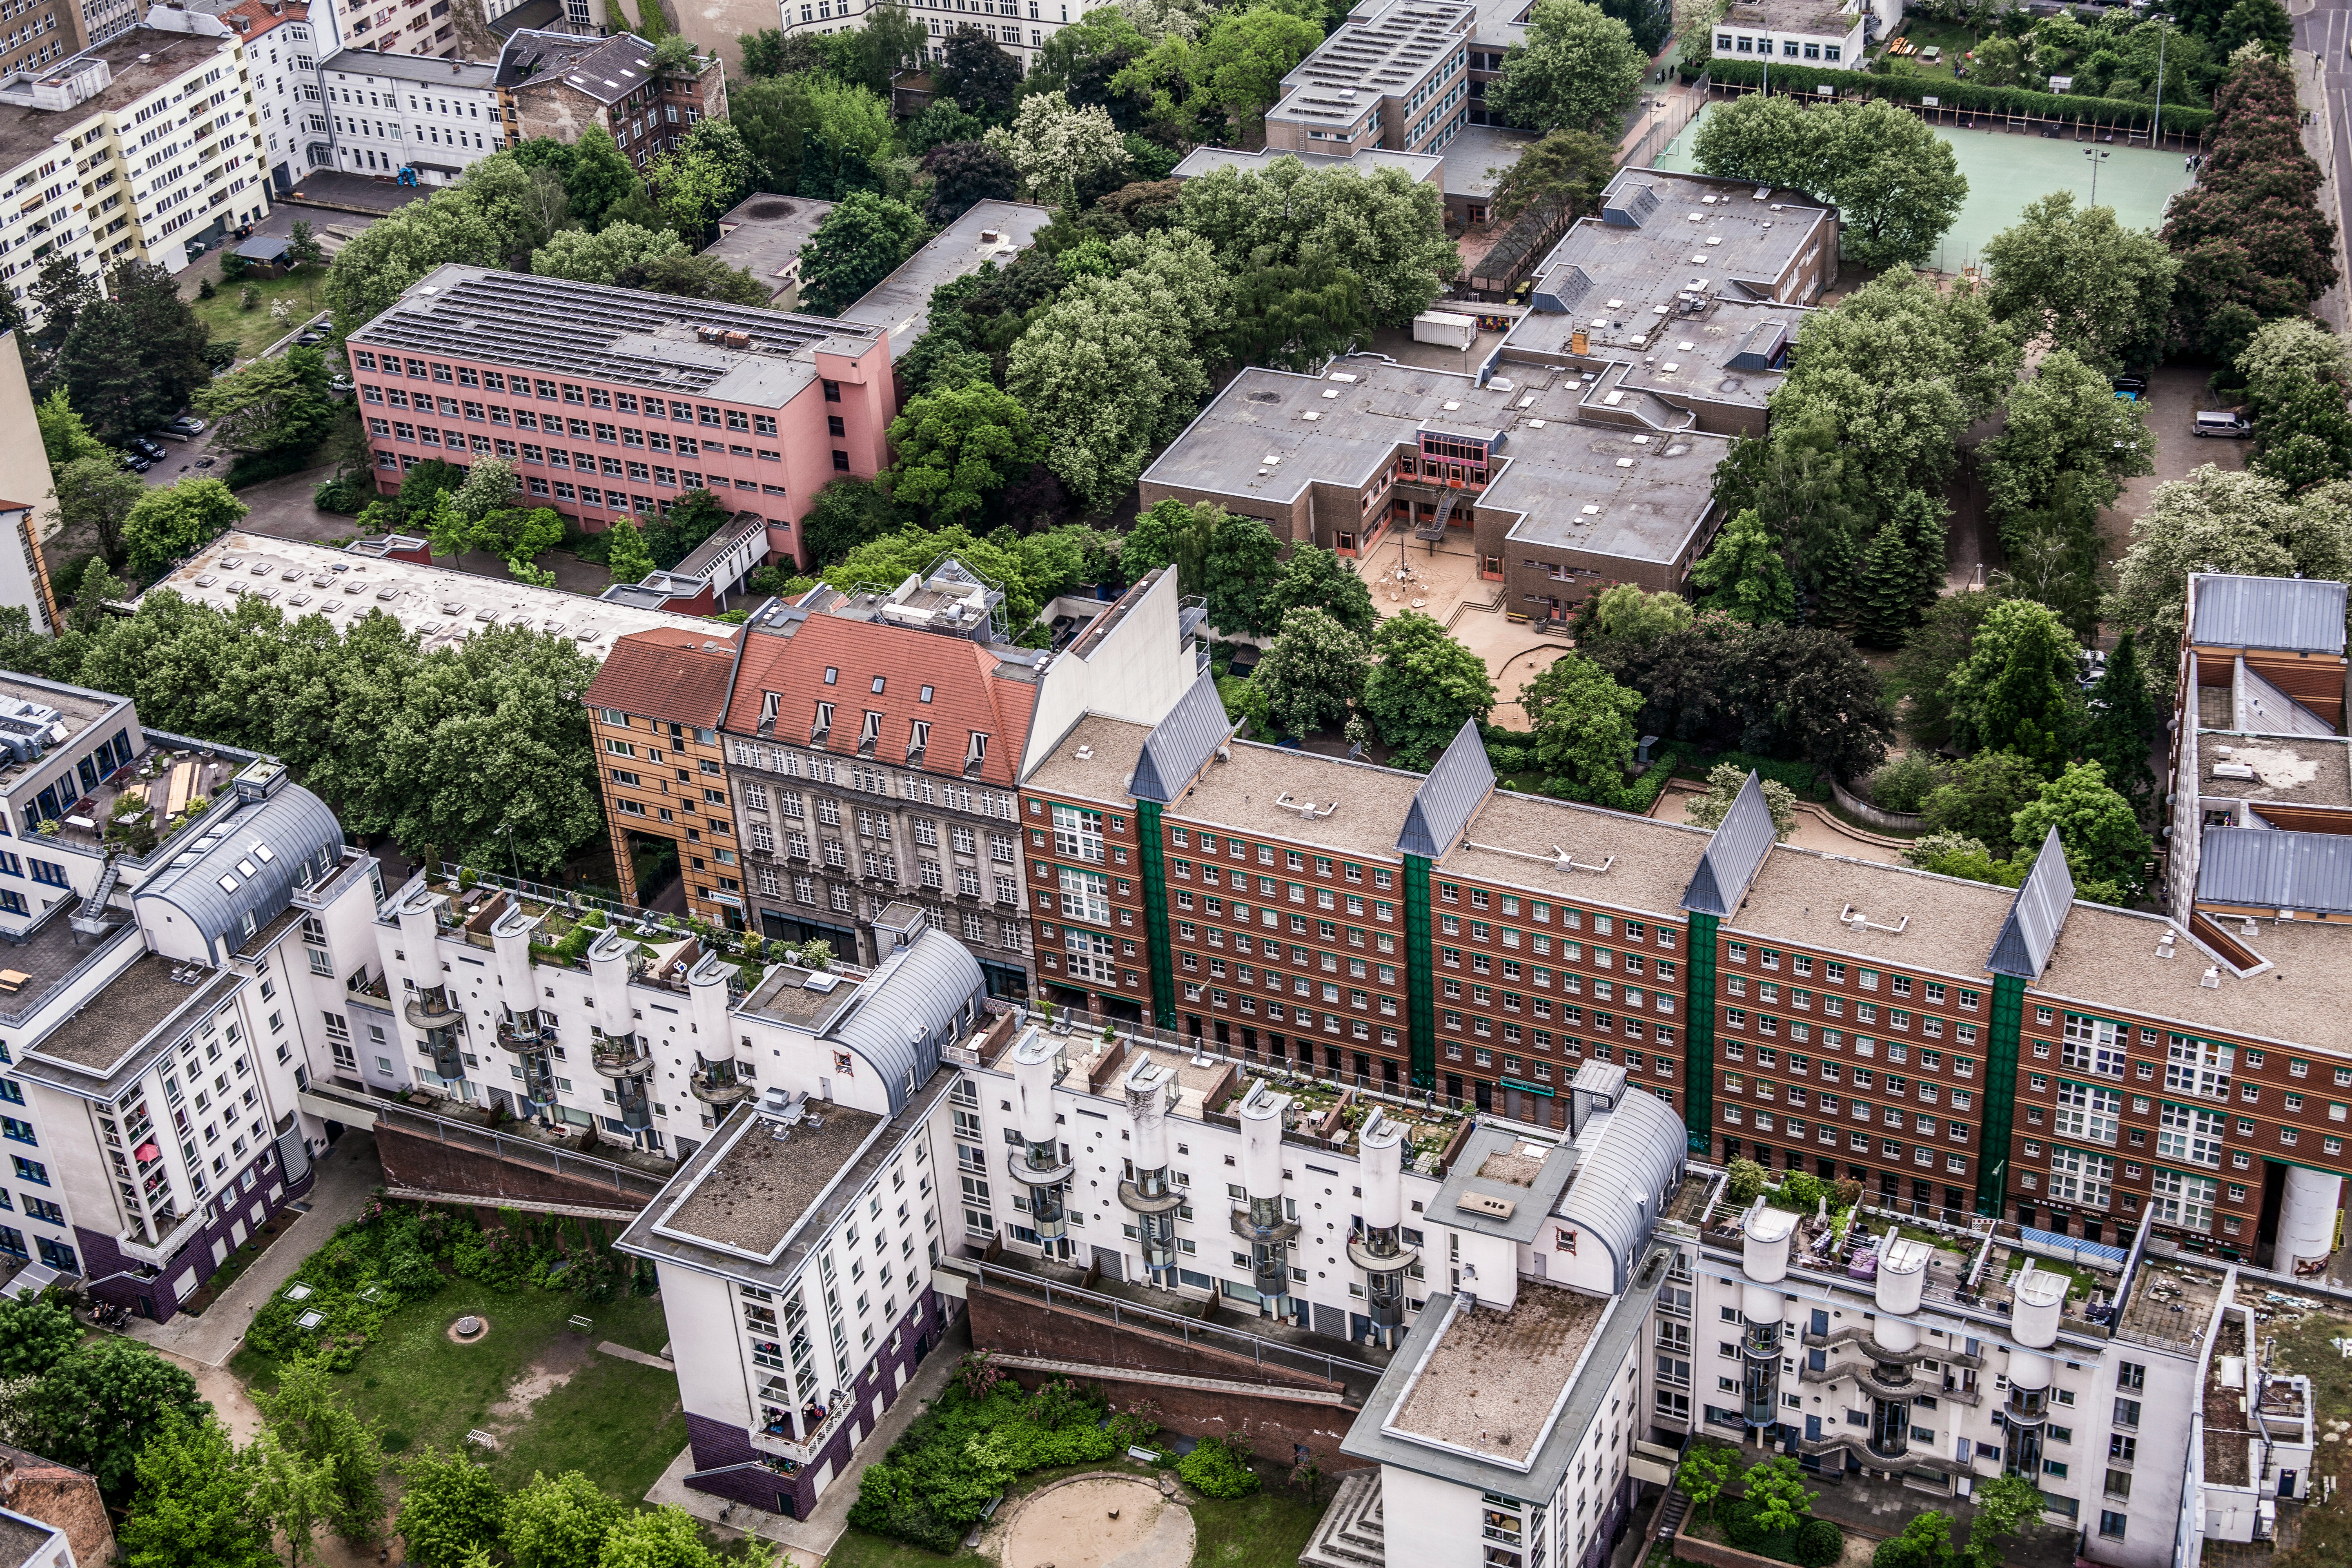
<point>812,135</point>
<point>101,1405</point>
<point>1242,58</point>
<point>277,404</point>
<point>846,514</point>
<point>164,524</point>
<point>2219,520</point>
<point>1559,177</point>
<point>1384,228</point>
<point>2017,690</point>
<point>2065,420</point>
<point>626,556</point>
<point>860,242</point>
<point>1061,149</point>
<point>297,1495</point>
<point>1626,613</point>
<point>450,1506</point>
<point>978,75</point>
<point>1175,534</point>
<point>1702,1475</point>
<point>1313,674</point>
<point>1424,688</point>
<point>604,255</point>
<point>65,435</point>
<point>2002,1504</point>
<point>680,531</point>
<point>702,176</point>
<point>1744,572</point>
<point>1957,855</point>
<point>1110,371</point>
<point>1723,782</point>
<point>765,53</point>
<point>2080,278</point>
<point>514,533</point>
<point>2124,722</point>
<point>957,448</point>
<point>2098,827</point>
<point>307,1415</point>
<point>1777,1489</point>
<point>95,494</point>
<point>666,1538</point>
<point>133,357</point>
<point>1031,570</point>
<point>1244,559</point>
<point>35,1335</point>
<point>1584,731</point>
<point>302,247</point>
<point>1897,185</point>
<point>1316,578</point>
<point>1937,644</point>
<point>196,1505</point>
<point>702,276</point>
<point>1926,1538</point>
<point>1982,796</point>
<point>964,173</point>
<point>1295,317</point>
<point>1578,70</point>
<point>2263,23</point>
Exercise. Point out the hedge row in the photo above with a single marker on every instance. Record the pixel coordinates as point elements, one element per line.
<point>1802,81</point>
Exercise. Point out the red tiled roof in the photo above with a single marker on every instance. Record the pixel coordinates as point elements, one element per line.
<point>263,18</point>
<point>671,674</point>
<point>967,695</point>
<point>60,1497</point>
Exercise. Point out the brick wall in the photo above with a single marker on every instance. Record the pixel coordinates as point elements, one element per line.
<point>1017,1325</point>
<point>435,1167</point>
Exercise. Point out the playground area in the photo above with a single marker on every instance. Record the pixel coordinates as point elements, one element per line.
<point>2006,170</point>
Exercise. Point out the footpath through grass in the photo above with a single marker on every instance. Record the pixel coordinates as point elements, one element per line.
<point>618,1422</point>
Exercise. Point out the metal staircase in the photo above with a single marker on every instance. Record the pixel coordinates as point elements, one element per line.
<point>91,917</point>
<point>1435,529</point>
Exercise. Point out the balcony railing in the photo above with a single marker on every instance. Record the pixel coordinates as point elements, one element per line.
<point>719,1089</point>
<point>431,1010</point>
<point>622,1059</point>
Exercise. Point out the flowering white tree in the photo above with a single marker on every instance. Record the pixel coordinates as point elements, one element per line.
<point>1059,146</point>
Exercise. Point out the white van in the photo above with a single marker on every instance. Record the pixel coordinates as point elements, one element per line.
<point>2226,423</point>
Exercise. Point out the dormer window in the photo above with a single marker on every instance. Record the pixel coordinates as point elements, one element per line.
<point>922,740</point>
<point>975,754</point>
<point>824,725</point>
<point>769,702</point>
<point>868,733</point>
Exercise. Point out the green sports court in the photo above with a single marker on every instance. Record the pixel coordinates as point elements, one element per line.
<point>2006,170</point>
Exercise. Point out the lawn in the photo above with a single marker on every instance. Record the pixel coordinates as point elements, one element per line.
<point>618,1422</point>
<point>256,329</point>
<point>1267,1530</point>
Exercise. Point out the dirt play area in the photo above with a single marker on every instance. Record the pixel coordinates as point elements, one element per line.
<point>1095,1522</point>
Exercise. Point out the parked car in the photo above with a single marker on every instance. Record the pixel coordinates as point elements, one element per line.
<point>145,448</point>
<point>136,463</point>
<point>2227,424</point>
<point>311,338</point>
<point>205,462</point>
<point>2130,388</point>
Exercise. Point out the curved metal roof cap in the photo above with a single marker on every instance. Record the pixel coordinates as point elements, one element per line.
<point>1765,1223</point>
<point>908,1009</point>
<point>514,921</point>
<point>264,851</point>
<point>1622,1180</point>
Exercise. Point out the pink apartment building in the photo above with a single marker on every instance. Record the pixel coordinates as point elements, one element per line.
<point>616,401</point>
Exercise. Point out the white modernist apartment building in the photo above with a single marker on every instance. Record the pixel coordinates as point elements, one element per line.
<point>396,111</point>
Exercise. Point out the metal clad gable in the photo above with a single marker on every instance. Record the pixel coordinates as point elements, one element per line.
<point>2290,614</point>
<point>2265,869</point>
<point>1455,789</point>
<point>1180,746</point>
<point>2035,915</point>
<point>1733,855</point>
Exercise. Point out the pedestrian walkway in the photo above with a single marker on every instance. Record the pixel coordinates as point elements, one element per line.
<point>345,1176</point>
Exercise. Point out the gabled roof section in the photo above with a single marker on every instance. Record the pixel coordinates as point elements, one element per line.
<point>972,691</point>
<point>1733,855</point>
<point>1452,793</point>
<point>2036,916</point>
<point>2261,708</point>
<point>669,675</point>
<point>605,68</point>
<point>2265,869</point>
<point>2291,615</point>
<point>1180,746</point>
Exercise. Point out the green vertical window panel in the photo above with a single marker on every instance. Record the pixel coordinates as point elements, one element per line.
<point>2000,1093</point>
<point>1421,1000</point>
<point>1699,1033</point>
<point>1155,914</point>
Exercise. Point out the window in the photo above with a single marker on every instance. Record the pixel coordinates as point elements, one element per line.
<point>2087,1113</point>
<point>2191,1133</point>
<point>2182,1200</point>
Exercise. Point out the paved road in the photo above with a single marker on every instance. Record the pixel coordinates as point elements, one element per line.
<point>2324,28</point>
<point>346,1176</point>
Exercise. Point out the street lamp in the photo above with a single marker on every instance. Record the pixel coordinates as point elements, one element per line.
<point>2098,155</point>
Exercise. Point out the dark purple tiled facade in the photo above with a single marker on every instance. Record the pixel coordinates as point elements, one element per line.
<point>727,1465</point>
<point>116,1277</point>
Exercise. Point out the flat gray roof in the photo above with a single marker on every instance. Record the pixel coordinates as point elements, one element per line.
<point>1208,160</point>
<point>1387,55</point>
<point>763,235</point>
<point>418,70</point>
<point>1478,153</point>
<point>1797,895</point>
<point>140,60</point>
<point>1667,233</point>
<point>1366,803</point>
<point>786,998</point>
<point>1828,18</point>
<point>122,1027</point>
<point>763,1185</point>
<point>990,232</point>
<point>1112,746</point>
<point>627,337</point>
